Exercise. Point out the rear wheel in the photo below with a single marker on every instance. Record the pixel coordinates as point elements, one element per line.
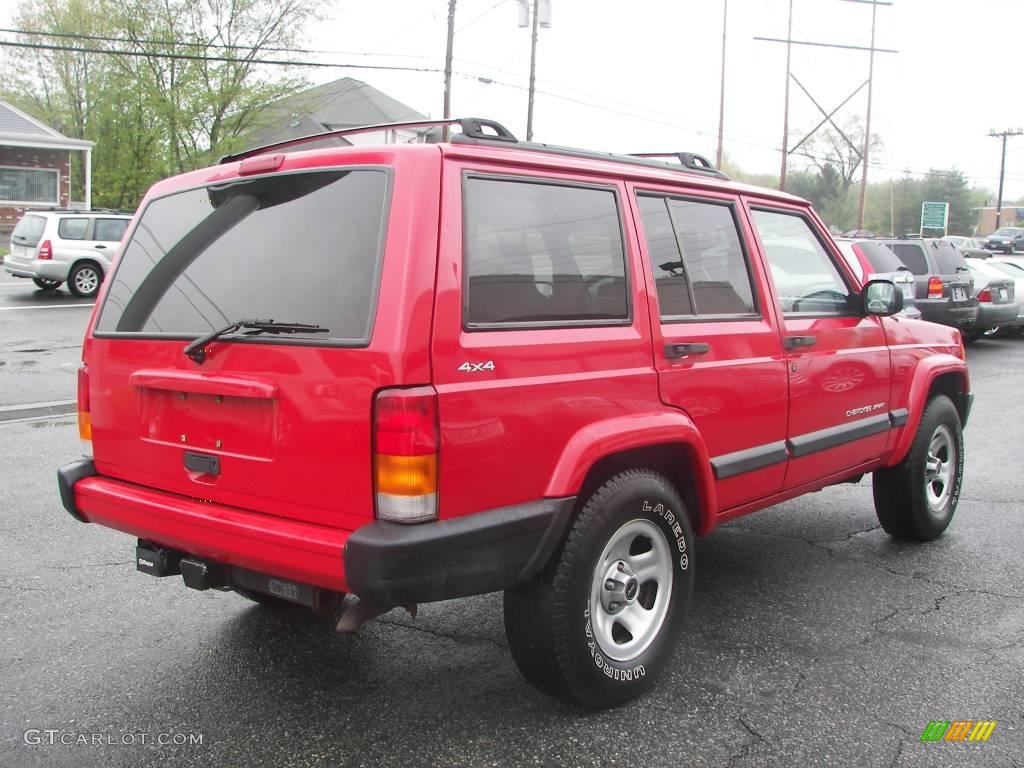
<point>598,624</point>
<point>85,279</point>
<point>916,499</point>
<point>46,285</point>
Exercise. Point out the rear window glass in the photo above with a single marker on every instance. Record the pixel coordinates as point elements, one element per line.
<point>947,258</point>
<point>542,253</point>
<point>29,230</point>
<point>72,229</point>
<point>302,247</point>
<point>881,258</point>
<point>912,256</point>
<point>110,230</point>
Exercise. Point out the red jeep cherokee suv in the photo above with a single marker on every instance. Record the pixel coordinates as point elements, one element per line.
<point>419,372</point>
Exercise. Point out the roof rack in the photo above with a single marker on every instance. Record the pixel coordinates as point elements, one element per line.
<point>689,160</point>
<point>55,209</point>
<point>476,130</point>
<point>471,126</point>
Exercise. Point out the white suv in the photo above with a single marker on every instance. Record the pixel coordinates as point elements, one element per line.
<point>73,247</point>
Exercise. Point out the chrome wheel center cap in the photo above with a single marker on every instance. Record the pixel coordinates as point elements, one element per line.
<point>620,588</point>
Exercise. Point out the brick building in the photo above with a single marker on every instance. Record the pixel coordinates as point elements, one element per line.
<point>35,167</point>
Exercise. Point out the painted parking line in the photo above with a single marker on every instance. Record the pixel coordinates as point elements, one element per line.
<point>47,306</point>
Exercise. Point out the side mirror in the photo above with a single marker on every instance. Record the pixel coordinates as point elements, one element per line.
<point>882,298</point>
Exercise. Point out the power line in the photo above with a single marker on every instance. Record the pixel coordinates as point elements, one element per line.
<point>206,46</point>
<point>195,57</point>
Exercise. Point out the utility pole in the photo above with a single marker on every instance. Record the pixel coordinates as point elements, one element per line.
<point>1002,169</point>
<point>785,108</point>
<point>448,66</point>
<point>541,18</point>
<point>790,42</point>
<point>867,123</point>
<point>721,96</point>
<point>533,71</point>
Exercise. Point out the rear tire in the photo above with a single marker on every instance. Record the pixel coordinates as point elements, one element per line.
<point>46,285</point>
<point>916,499</point>
<point>599,623</point>
<point>85,280</point>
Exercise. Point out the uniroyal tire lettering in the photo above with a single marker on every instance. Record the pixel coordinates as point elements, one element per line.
<point>612,672</point>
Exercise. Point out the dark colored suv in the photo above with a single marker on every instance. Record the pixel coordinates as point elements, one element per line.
<point>943,287</point>
<point>410,373</point>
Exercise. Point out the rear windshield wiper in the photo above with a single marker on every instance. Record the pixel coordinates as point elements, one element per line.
<point>197,349</point>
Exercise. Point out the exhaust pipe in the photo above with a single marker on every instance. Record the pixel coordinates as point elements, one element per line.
<point>363,611</point>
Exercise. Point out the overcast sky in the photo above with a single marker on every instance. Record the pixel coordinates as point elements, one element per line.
<point>644,75</point>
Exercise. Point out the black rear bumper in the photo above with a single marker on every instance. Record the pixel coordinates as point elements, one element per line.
<point>485,552</point>
<point>67,476</point>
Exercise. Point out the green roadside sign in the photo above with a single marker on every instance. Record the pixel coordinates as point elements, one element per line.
<point>934,215</point>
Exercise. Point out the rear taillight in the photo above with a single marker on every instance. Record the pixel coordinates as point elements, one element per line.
<point>405,448</point>
<point>84,415</point>
<point>985,294</point>
<point>934,287</point>
<point>45,251</point>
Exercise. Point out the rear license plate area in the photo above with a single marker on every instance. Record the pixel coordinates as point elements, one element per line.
<point>959,294</point>
<point>240,426</point>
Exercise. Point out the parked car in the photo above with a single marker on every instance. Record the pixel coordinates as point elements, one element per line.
<point>1015,272</point>
<point>1006,240</point>
<point>871,260</point>
<point>968,246</point>
<point>942,283</point>
<point>994,291</point>
<point>73,247</point>
<point>501,366</point>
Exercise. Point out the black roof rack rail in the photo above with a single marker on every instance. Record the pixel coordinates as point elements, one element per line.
<point>56,209</point>
<point>693,164</point>
<point>477,130</point>
<point>475,127</point>
<point>690,160</point>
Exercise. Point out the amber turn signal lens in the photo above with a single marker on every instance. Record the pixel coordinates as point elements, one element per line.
<point>406,475</point>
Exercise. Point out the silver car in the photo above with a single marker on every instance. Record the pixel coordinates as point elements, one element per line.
<point>73,247</point>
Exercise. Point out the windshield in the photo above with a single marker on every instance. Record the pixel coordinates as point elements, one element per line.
<point>301,247</point>
<point>1007,232</point>
<point>29,230</point>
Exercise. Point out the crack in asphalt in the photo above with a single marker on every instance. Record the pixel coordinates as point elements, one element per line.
<point>460,639</point>
<point>754,737</point>
<point>86,565</point>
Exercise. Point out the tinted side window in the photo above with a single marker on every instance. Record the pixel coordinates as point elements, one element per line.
<point>805,278</point>
<point>947,258</point>
<point>663,250</point>
<point>109,230</point>
<point>714,257</point>
<point>698,263</point>
<point>881,258</point>
<point>540,252</point>
<point>912,256</point>
<point>72,228</point>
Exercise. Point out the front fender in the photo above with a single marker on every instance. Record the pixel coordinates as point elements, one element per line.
<point>606,438</point>
<point>925,374</point>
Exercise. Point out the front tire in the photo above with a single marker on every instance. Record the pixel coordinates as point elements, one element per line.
<point>599,623</point>
<point>916,499</point>
<point>85,280</point>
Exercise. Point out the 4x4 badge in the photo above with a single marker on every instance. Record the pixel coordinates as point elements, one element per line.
<point>474,367</point>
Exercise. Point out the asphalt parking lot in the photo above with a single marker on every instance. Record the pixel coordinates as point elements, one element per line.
<point>814,639</point>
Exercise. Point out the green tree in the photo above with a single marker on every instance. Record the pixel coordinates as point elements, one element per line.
<point>151,115</point>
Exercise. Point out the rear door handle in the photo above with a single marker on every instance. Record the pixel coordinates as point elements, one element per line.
<point>673,351</point>
<point>799,342</point>
<point>101,247</point>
